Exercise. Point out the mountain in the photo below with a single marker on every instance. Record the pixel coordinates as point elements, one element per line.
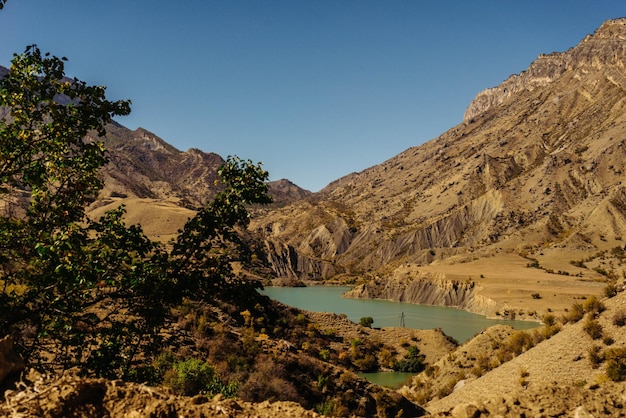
<point>162,186</point>
<point>532,177</point>
<point>145,166</point>
<point>521,200</point>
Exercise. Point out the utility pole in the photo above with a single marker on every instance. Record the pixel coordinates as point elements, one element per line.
<point>402,320</point>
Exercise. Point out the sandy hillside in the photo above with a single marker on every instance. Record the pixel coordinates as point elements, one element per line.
<point>556,374</point>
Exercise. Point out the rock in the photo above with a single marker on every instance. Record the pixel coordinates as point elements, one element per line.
<point>10,361</point>
<point>424,288</point>
<point>580,412</point>
<point>466,411</point>
<point>459,385</point>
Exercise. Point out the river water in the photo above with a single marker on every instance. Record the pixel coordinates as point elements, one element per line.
<point>460,325</point>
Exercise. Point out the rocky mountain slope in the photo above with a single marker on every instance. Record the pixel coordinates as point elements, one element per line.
<point>571,373</point>
<point>142,165</point>
<point>533,174</point>
<point>161,186</point>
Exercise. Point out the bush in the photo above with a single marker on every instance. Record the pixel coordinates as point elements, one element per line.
<point>610,290</point>
<point>593,306</point>
<point>549,320</point>
<point>189,377</point>
<point>619,319</point>
<point>519,342</point>
<point>413,362</point>
<point>366,321</point>
<point>575,314</point>
<point>596,357</point>
<point>616,364</point>
<point>593,328</point>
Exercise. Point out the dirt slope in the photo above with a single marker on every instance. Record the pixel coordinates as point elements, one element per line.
<point>556,375</point>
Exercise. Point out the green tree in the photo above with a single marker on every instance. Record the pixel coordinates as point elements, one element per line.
<point>413,362</point>
<point>95,293</point>
<point>366,321</point>
<point>49,161</point>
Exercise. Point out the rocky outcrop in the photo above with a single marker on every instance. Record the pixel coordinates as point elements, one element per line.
<point>425,289</point>
<point>70,395</point>
<point>288,263</point>
<point>10,362</point>
<point>604,48</point>
<point>541,72</point>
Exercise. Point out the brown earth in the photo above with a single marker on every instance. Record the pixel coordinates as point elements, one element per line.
<point>434,344</point>
<point>72,396</point>
<point>556,377</point>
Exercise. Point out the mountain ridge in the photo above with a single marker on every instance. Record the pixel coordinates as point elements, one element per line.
<point>534,171</point>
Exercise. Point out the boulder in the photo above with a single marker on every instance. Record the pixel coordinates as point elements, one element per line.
<point>10,361</point>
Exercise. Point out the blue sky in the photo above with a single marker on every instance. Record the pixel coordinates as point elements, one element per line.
<point>312,89</point>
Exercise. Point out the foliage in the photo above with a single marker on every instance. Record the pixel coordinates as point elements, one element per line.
<point>610,290</point>
<point>593,328</point>
<point>413,362</point>
<point>366,321</point>
<point>575,314</point>
<point>616,364</point>
<point>593,306</point>
<point>191,377</point>
<point>96,293</point>
<point>619,319</point>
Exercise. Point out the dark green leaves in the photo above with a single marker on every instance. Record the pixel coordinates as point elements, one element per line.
<point>97,292</point>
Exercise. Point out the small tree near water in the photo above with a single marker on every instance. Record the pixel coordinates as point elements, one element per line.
<point>366,321</point>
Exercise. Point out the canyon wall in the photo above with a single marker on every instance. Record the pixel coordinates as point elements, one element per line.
<point>426,289</point>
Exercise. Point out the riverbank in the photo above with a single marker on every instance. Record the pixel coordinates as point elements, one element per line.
<point>456,323</point>
<point>503,286</point>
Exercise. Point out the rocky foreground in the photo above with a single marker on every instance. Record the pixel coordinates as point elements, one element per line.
<point>570,373</point>
<point>72,396</point>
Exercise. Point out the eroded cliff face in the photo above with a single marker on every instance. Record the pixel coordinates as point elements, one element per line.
<point>539,162</point>
<point>426,289</point>
<point>287,263</point>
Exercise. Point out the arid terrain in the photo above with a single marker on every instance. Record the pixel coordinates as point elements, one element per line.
<point>517,212</point>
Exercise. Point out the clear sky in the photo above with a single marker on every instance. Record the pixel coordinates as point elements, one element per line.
<point>312,89</point>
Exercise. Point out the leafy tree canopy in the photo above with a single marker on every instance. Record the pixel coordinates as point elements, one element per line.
<point>95,293</point>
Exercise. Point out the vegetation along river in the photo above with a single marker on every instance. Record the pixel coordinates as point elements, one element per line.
<point>456,323</point>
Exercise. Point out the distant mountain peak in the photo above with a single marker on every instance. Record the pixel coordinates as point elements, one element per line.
<point>605,47</point>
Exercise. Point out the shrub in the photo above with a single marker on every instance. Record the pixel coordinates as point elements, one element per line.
<point>575,314</point>
<point>536,296</point>
<point>269,382</point>
<point>523,374</point>
<point>189,377</point>
<point>608,340</point>
<point>413,362</point>
<point>366,321</point>
<point>549,320</point>
<point>366,363</point>
<point>619,319</point>
<point>593,328</point>
<point>616,364</point>
<point>520,341</point>
<point>596,357</point>
<point>610,290</point>
<point>593,306</point>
